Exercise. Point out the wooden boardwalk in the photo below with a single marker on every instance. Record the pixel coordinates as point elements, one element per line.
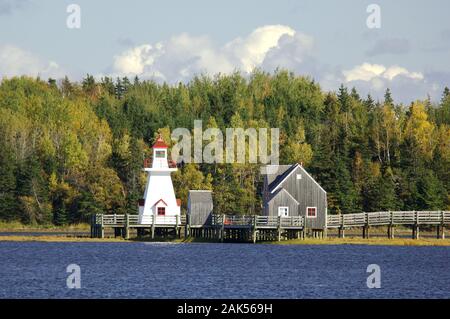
<point>414,219</point>
<point>263,228</point>
<point>122,224</point>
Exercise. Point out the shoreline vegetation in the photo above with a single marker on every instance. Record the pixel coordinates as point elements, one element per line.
<point>15,226</point>
<point>374,241</point>
<point>71,233</point>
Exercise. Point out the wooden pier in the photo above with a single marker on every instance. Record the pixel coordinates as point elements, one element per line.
<point>123,224</point>
<point>266,228</point>
<point>413,219</point>
<point>250,228</point>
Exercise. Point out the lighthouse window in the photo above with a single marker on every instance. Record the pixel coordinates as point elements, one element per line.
<point>161,211</point>
<point>160,154</point>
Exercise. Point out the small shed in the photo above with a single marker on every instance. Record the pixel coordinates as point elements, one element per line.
<point>199,208</point>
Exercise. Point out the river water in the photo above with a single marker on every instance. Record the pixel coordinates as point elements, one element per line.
<point>200,270</point>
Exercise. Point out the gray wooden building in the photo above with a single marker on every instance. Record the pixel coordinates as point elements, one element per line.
<point>199,208</point>
<point>290,191</point>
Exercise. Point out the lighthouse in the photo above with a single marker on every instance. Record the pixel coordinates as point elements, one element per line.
<point>159,205</point>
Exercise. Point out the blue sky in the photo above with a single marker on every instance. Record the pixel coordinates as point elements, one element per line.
<point>174,40</point>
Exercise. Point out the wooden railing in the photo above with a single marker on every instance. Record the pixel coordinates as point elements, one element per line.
<point>333,221</point>
<point>257,221</point>
<point>389,218</point>
<point>130,220</point>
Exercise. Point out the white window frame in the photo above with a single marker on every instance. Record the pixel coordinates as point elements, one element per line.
<point>163,151</point>
<point>283,207</point>
<point>315,209</point>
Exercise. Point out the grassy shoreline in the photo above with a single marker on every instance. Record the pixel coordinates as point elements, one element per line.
<point>308,241</point>
<point>69,235</point>
<point>19,227</point>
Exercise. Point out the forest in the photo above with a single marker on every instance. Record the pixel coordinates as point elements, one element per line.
<point>71,149</point>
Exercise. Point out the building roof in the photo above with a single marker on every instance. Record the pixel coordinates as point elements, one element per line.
<point>280,190</point>
<point>200,196</point>
<point>161,200</point>
<point>282,177</point>
<point>159,143</point>
<point>272,171</point>
<point>274,184</point>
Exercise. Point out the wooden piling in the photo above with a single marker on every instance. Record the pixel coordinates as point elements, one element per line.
<point>415,232</point>
<point>279,228</point>
<point>102,229</point>
<point>222,229</point>
<point>152,230</point>
<point>366,232</point>
<point>440,232</point>
<point>391,231</point>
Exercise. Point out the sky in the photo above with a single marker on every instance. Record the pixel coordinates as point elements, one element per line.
<point>174,40</point>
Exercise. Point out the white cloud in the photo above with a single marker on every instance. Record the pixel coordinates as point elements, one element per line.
<point>15,61</point>
<point>395,71</point>
<point>251,51</point>
<point>376,78</point>
<point>368,72</point>
<point>364,72</point>
<point>183,56</point>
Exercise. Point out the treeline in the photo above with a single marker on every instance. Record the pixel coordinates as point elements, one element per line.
<point>71,149</point>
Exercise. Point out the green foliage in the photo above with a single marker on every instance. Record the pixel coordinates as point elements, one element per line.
<point>72,149</point>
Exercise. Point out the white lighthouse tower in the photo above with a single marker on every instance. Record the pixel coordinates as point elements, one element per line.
<point>159,204</point>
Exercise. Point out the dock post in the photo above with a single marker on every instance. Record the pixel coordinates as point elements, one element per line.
<point>391,231</point>
<point>254,229</point>
<point>442,227</point>
<point>416,226</point>
<point>222,229</point>
<point>102,229</point>
<point>415,232</point>
<point>186,227</point>
<point>177,229</point>
<point>92,225</point>
<point>341,232</point>
<point>126,230</point>
<point>279,228</point>
<point>366,232</point>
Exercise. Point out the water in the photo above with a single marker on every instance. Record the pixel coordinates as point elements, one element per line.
<point>152,270</point>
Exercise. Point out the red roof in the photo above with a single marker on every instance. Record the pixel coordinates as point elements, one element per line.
<point>159,143</point>
<point>161,200</point>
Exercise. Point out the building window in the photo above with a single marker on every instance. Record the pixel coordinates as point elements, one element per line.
<point>311,212</point>
<point>283,211</point>
<point>160,154</point>
<point>161,211</point>
<point>299,176</point>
